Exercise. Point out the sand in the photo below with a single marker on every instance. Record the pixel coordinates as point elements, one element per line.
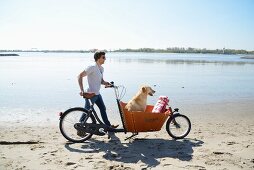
<point>222,137</point>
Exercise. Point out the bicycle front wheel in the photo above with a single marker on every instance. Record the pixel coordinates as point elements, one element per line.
<point>69,119</point>
<point>178,126</point>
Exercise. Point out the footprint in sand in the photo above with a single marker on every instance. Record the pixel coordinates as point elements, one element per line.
<point>114,167</point>
<point>53,151</point>
<point>59,162</point>
<point>221,153</point>
<point>100,164</point>
<point>48,160</point>
<point>195,166</point>
<point>231,143</point>
<point>70,163</point>
<point>36,147</point>
<point>166,165</point>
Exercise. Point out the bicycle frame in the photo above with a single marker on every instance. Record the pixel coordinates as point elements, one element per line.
<point>92,111</point>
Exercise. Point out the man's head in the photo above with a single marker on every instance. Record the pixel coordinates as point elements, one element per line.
<point>98,55</point>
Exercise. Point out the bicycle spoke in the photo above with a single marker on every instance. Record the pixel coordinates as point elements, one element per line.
<point>178,127</point>
<point>67,125</point>
<point>70,122</point>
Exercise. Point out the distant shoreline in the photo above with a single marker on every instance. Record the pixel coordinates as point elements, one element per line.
<point>148,50</point>
<point>9,55</point>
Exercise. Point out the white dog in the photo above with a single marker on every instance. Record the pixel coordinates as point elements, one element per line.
<point>138,102</point>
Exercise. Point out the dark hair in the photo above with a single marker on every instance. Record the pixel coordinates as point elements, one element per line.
<point>98,55</point>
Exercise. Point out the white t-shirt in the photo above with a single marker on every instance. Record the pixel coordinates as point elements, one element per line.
<point>94,78</point>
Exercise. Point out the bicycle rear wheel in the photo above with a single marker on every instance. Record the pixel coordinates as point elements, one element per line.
<point>67,121</point>
<point>178,126</point>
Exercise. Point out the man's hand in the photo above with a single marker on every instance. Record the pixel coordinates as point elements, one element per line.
<point>107,83</point>
<point>87,95</point>
<point>81,93</point>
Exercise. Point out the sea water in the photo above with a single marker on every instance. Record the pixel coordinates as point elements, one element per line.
<point>35,86</point>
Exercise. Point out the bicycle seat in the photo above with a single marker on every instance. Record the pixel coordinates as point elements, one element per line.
<point>88,95</point>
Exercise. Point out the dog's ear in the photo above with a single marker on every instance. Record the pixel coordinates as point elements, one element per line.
<point>143,89</point>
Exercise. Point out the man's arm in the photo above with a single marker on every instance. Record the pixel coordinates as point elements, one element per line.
<point>104,82</point>
<point>80,82</point>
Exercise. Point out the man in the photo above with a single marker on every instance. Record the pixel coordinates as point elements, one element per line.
<point>94,75</point>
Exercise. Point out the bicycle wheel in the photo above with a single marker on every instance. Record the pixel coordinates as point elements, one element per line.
<point>178,126</point>
<point>67,121</point>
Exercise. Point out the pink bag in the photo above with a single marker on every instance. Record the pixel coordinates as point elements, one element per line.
<point>161,104</point>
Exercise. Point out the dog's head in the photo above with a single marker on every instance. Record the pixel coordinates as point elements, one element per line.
<point>147,90</point>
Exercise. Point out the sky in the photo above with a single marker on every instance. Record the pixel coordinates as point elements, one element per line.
<point>114,24</point>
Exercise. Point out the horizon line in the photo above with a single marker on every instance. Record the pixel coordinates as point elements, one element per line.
<point>116,49</point>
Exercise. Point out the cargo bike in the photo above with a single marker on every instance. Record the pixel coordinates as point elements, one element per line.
<point>76,130</point>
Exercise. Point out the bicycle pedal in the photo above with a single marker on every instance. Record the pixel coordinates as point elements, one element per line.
<point>101,130</point>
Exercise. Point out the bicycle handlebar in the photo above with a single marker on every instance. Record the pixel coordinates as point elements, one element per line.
<point>111,85</point>
<point>120,95</point>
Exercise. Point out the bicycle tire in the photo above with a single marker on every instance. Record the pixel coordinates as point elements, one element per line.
<point>175,117</point>
<point>75,138</point>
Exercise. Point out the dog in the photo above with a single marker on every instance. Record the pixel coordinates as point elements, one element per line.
<point>138,102</point>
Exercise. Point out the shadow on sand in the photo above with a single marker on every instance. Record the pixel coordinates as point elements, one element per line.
<point>145,150</point>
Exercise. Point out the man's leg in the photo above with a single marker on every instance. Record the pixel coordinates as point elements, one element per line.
<point>99,102</point>
<point>82,118</point>
<point>87,106</point>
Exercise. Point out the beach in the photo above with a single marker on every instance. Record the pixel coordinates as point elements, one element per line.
<point>222,137</point>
